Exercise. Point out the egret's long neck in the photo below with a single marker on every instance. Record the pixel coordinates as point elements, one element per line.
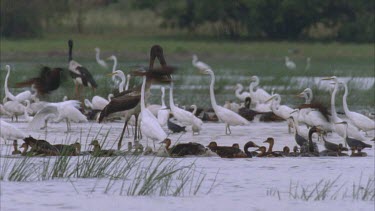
<point>195,59</point>
<point>194,110</point>
<point>333,109</point>
<point>121,86</point>
<point>97,55</point>
<point>143,94</point>
<point>238,90</point>
<point>171,102</point>
<point>127,82</point>
<point>162,98</point>
<point>344,98</point>
<point>114,64</point>
<point>7,92</point>
<point>307,98</point>
<point>295,126</point>
<point>253,85</point>
<point>212,94</point>
<point>70,57</point>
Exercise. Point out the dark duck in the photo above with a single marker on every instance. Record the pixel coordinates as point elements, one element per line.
<point>184,149</point>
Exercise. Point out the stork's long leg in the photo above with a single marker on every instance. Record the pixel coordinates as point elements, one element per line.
<point>122,133</point>
<point>136,127</point>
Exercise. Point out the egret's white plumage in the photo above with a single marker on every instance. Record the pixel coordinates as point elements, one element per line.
<point>3,111</point>
<point>361,121</point>
<point>225,115</point>
<point>15,108</point>
<point>26,115</point>
<point>120,74</point>
<point>154,108</point>
<point>259,95</point>
<point>199,64</point>
<point>150,126</point>
<point>100,61</point>
<point>10,132</point>
<point>67,110</point>
<point>282,111</point>
<point>184,117</point>
<point>290,64</point>
<point>196,123</point>
<point>97,102</point>
<point>163,113</point>
<point>340,128</point>
<point>242,96</point>
<point>21,97</point>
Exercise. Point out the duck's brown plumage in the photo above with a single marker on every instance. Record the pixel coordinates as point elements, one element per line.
<point>226,151</point>
<point>184,149</point>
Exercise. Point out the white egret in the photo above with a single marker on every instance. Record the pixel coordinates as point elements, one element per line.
<point>121,75</point>
<point>184,117</point>
<point>282,111</point>
<point>97,102</point>
<point>15,108</point>
<point>259,95</point>
<point>10,132</point>
<point>25,95</point>
<point>3,111</point>
<point>242,96</point>
<point>340,128</point>
<point>225,115</point>
<point>67,110</point>
<point>361,121</point>
<point>100,61</point>
<point>199,64</point>
<point>290,64</point>
<point>150,126</point>
<point>163,113</point>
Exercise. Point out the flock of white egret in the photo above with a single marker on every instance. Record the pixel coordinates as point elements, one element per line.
<point>128,104</point>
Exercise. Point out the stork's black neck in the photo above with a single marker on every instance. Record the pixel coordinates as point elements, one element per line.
<point>70,44</point>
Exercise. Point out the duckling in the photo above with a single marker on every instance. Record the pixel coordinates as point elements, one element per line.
<point>286,151</point>
<point>271,142</point>
<point>226,152</point>
<point>98,152</point>
<point>183,149</point>
<point>263,152</point>
<point>295,152</point>
<point>16,151</point>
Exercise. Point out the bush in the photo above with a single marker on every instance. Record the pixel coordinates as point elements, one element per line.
<point>20,19</point>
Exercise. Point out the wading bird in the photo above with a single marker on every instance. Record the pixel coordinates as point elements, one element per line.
<point>227,116</point>
<point>21,97</point>
<point>199,64</point>
<point>100,61</point>
<point>80,75</point>
<point>290,64</point>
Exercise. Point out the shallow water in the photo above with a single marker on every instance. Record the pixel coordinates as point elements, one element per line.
<point>241,184</point>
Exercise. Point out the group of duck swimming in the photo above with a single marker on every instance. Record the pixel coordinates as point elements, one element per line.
<point>305,149</point>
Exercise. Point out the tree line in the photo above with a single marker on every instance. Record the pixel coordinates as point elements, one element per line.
<point>344,20</point>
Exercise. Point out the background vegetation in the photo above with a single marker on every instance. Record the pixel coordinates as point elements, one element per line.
<point>251,19</point>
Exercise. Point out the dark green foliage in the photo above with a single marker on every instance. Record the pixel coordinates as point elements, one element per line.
<point>20,19</point>
<point>269,19</point>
